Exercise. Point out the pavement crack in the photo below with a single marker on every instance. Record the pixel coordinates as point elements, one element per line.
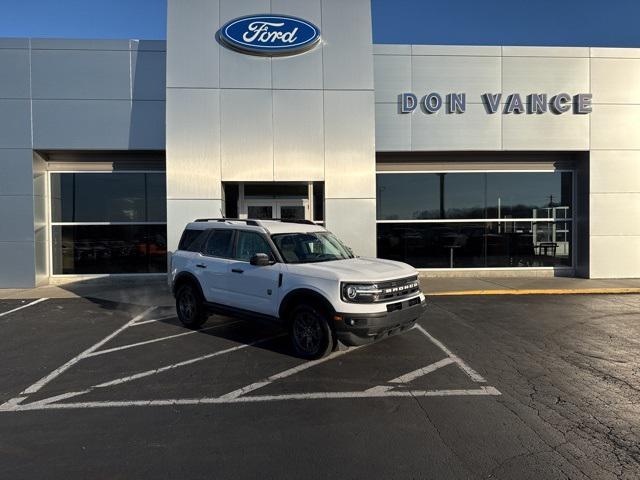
<point>430,422</point>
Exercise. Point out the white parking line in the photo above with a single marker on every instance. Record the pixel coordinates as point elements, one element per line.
<point>43,381</point>
<point>475,376</point>
<point>57,398</point>
<point>155,371</point>
<point>147,373</point>
<point>408,377</point>
<point>24,306</point>
<point>482,391</point>
<point>161,339</point>
<point>239,395</point>
<point>152,320</point>
<point>285,374</point>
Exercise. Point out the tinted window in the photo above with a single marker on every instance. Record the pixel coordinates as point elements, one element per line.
<point>408,196</point>
<point>318,201</point>
<point>192,240</point>
<point>463,195</point>
<point>219,243</point>
<point>108,197</point>
<point>97,249</point>
<point>474,196</point>
<point>156,197</point>
<point>250,243</point>
<point>529,195</point>
<point>477,244</point>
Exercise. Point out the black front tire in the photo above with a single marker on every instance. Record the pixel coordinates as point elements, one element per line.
<point>190,307</point>
<point>311,335</point>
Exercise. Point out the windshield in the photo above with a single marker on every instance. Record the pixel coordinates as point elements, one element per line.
<point>310,247</point>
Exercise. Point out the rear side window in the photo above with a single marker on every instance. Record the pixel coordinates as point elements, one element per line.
<point>192,240</point>
<point>219,243</point>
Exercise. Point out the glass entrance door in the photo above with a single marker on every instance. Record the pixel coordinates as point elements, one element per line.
<point>296,209</point>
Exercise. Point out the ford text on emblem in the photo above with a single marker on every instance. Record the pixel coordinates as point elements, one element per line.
<point>270,35</point>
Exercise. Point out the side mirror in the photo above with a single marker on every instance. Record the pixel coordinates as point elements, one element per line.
<point>260,260</point>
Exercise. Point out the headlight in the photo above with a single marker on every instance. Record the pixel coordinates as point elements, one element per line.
<point>360,293</point>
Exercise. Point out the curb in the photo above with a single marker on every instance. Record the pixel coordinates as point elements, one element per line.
<point>550,291</point>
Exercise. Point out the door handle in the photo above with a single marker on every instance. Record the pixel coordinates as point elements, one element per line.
<point>237,270</point>
<point>201,265</point>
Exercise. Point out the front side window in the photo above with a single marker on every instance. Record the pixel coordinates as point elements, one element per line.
<point>250,244</point>
<point>310,247</point>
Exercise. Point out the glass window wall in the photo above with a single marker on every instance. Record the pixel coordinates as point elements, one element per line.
<point>476,220</point>
<point>108,223</point>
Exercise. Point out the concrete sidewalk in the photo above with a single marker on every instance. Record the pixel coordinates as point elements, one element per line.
<point>154,291</point>
<point>527,286</point>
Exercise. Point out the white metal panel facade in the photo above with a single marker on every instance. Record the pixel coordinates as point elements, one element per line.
<point>609,133</point>
<point>302,118</point>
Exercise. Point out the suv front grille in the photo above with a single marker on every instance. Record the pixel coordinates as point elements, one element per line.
<point>400,288</point>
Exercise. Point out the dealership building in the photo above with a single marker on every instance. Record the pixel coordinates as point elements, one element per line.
<point>465,160</point>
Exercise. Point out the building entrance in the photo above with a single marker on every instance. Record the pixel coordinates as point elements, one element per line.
<point>287,201</point>
<point>264,209</point>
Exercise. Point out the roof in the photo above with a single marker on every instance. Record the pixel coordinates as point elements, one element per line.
<point>271,226</point>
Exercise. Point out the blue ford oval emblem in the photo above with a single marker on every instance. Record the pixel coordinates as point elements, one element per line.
<point>270,35</point>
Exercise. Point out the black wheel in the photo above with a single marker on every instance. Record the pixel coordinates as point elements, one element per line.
<point>191,311</point>
<point>311,335</point>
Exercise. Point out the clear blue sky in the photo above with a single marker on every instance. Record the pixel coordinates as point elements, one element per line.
<point>473,22</point>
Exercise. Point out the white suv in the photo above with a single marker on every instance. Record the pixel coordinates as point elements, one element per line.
<point>296,273</point>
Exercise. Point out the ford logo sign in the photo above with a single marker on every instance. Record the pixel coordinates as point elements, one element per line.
<point>270,35</point>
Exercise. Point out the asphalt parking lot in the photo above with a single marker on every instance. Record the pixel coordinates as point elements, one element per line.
<point>485,387</point>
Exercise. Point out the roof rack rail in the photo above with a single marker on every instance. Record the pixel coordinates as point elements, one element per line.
<point>253,223</point>
<point>293,220</point>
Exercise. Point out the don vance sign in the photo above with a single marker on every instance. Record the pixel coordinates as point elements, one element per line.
<point>534,103</point>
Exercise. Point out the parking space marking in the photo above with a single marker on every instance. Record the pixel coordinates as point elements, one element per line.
<point>379,389</point>
<point>240,395</point>
<point>14,403</point>
<point>152,320</point>
<point>155,371</point>
<point>58,371</point>
<point>479,392</point>
<point>155,340</point>
<point>57,398</point>
<point>408,377</point>
<point>475,376</point>
<point>285,374</point>
<point>411,376</point>
<point>191,361</point>
<point>3,314</point>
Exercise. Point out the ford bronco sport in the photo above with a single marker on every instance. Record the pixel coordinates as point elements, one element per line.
<point>296,273</point>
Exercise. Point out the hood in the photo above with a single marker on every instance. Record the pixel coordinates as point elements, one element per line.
<point>356,270</point>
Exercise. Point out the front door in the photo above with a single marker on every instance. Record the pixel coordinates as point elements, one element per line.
<point>251,287</point>
<point>285,209</point>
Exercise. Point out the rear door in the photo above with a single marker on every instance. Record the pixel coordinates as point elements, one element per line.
<point>213,265</point>
<point>253,288</point>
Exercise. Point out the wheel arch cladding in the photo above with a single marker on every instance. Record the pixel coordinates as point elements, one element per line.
<point>304,296</point>
<point>184,278</point>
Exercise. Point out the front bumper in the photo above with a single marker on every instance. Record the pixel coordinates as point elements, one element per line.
<point>360,329</point>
